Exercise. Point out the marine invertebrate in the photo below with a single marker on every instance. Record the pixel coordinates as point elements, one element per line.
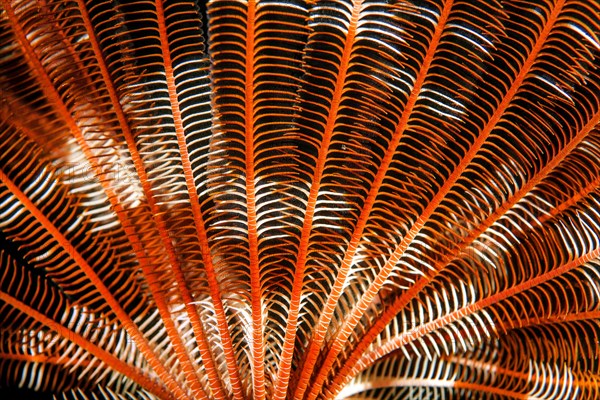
<point>351,198</point>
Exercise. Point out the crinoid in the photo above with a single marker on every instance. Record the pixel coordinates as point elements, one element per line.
<point>353,199</point>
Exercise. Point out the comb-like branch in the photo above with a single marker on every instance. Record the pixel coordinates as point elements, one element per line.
<point>385,318</point>
<point>170,169</point>
<point>255,50</point>
<point>331,129</point>
<point>146,260</point>
<point>511,200</point>
<point>113,197</point>
<point>111,360</point>
<point>489,371</point>
<point>419,332</point>
<point>164,28</point>
<point>385,162</point>
<point>146,185</point>
<point>423,94</point>
<point>52,232</point>
<point>23,290</point>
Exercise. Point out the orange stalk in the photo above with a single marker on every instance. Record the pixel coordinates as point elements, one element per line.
<point>258,347</point>
<point>326,315</point>
<point>198,218</point>
<point>285,364</point>
<point>147,269</point>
